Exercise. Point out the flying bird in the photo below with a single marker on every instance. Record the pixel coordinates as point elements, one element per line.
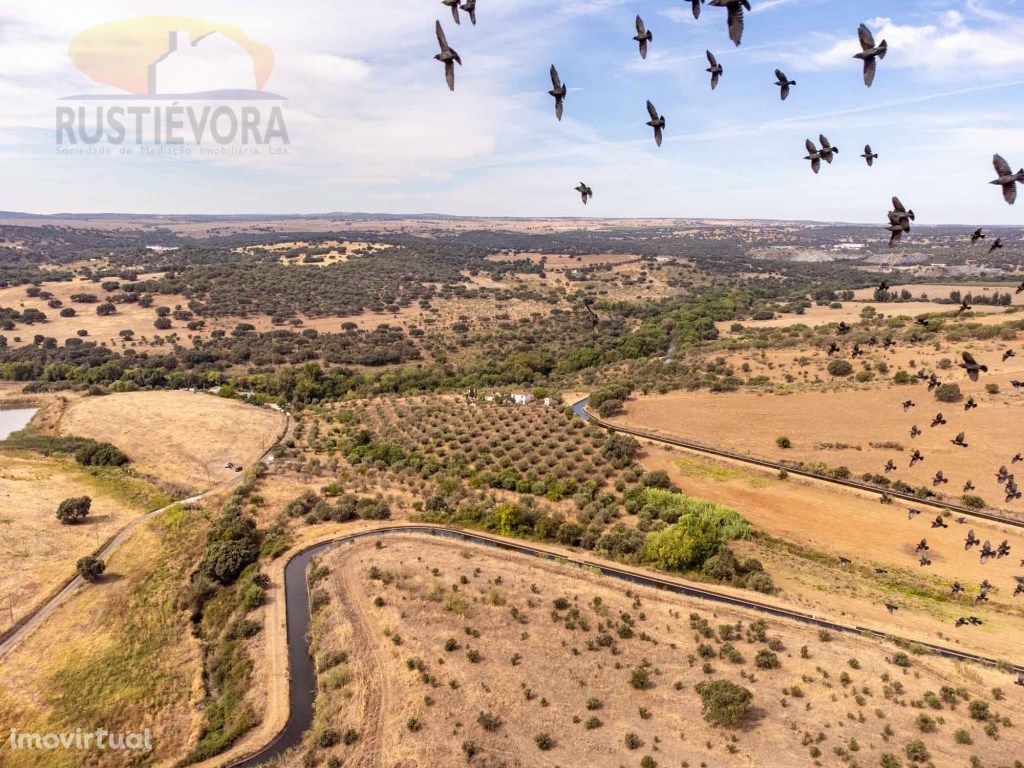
<point>924,560</point>
<point>657,122</point>
<point>1006,178</point>
<point>959,440</point>
<point>828,152</point>
<point>643,37</point>
<point>890,466</point>
<point>912,513</point>
<point>784,83</point>
<point>1008,354</point>
<point>869,156</point>
<point>885,498</point>
<point>907,405</point>
<point>938,522</point>
<point>813,155</point>
<point>940,479</point>
<point>957,588</point>
<point>977,235</point>
<point>735,17</point>
<point>842,328</point>
<point>715,69</point>
<point>899,222</point>
<point>971,404</point>
<point>448,55</point>
<point>844,561</point>
<point>1020,289</point>
<point>1004,549</point>
<point>972,366</point>
<point>938,421</point>
<point>996,245</point>
<point>585,192</point>
<point>891,608</point>
<point>914,432</point>
<point>696,7</point>
<point>870,53</point>
<point>1020,680</point>
<point>470,7</point>
<point>968,487</point>
<point>922,546</point>
<point>971,540</point>
<point>915,458</point>
<point>832,348</point>
<point>558,91</point>
<point>1017,459</point>
<point>986,552</point>
<point>454,5</point>
<point>965,306</point>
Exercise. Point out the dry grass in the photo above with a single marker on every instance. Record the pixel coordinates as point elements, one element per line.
<point>182,438</point>
<point>412,702</point>
<point>37,553</point>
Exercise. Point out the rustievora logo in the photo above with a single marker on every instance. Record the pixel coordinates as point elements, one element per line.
<point>171,84</point>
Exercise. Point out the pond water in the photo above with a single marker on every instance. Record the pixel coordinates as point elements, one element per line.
<point>12,421</point>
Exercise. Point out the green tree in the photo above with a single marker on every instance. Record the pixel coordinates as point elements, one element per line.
<point>724,703</point>
<point>74,510</point>
<point>90,568</point>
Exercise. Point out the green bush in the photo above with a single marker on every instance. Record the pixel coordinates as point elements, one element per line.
<point>724,703</point>
<point>840,368</point>
<point>74,510</point>
<point>783,442</point>
<point>90,568</point>
<point>948,393</point>
<point>916,752</point>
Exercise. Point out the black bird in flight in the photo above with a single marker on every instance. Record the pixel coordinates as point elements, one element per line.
<point>585,192</point>
<point>470,7</point>
<point>912,513</point>
<point>643,37</point>
<point>939,479</point>
<point>885,498</point>
<point>959,440</point>
<point>869,156</point>
<point>881,571</point>
<point>938,421</point>
<point>842,328</point>
<point>1020,289</point>
<point>915,457</point>
<point>588,304</point>
<point>986,552</point>
<point>965,306</point>
<point>938,522</point>
<point>1003,475</point>
<point>914,432</point>
<point>870,53</point>
<point>996,245</point>
<point>908,404</point>
<point>1006,178</point>
<point>1020,680</point>
<point>844,561</point>
<point>1008,354</point>
<point>784,83</point>
<point>890,466</point>
<point>454,5</point>
<point>891,608</point>
<point>832,348</point>
<point>813,155</point>
<point>828,152</point>
<point>968,487</point>
<point>972,620</point>
<point>924,560</point>
<point>889,342</point>
<point>957,588</point>
<point>558,91</point>
<point>1019,591</point>
<point>972,366</point>
<point>977,235</point>
<point>883,286</point>
<point>899,222</point>
<point>1017,459</point>
<point>970,404</point>
<point>657,122</point>
<point>971,540</point>
<point>857,351</point>
<point>715,69</point>
<point>1004,549</point>
<point>735,18</point>
<point>448,55</point>
<point>1017,384</point>
<point>933,382</point>
<point>696,7</point>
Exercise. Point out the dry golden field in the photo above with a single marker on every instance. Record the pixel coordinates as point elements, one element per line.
<point>829,523</point>
<point>183,438</point>
<point>37,552</point>
<point>456,655</point>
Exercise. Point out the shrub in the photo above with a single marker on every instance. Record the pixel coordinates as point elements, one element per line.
<point>840,368</point>
<point>948,393</point>
<point>90,568</point>
<point>783,442</point>
<point>724,703</point>
<point>992,388</point>
<point>916,751</point>
<point>889,760</point>
<point>544,741</point>
<point>979,710</point>
<point>74,510</point>
<point>633,741</point>
<point>489,721</point>
<point>640,678</point>
<point>963,736</point>
<point>926,724</point>
<point>766,659</point>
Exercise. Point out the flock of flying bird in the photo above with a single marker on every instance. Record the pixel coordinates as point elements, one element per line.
<point>870,54</point>
<point>1005,478</point>
<point>900,219</point>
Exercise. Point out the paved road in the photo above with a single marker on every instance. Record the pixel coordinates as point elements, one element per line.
<point>33,620</point>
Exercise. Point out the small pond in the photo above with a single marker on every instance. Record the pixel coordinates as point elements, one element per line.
<point>12,421</point>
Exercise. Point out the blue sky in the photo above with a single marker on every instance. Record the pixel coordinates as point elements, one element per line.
<point>373,127</point>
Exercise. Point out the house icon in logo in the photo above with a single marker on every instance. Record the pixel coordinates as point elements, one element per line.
<point>208,63</point>
<point>174,57</point>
